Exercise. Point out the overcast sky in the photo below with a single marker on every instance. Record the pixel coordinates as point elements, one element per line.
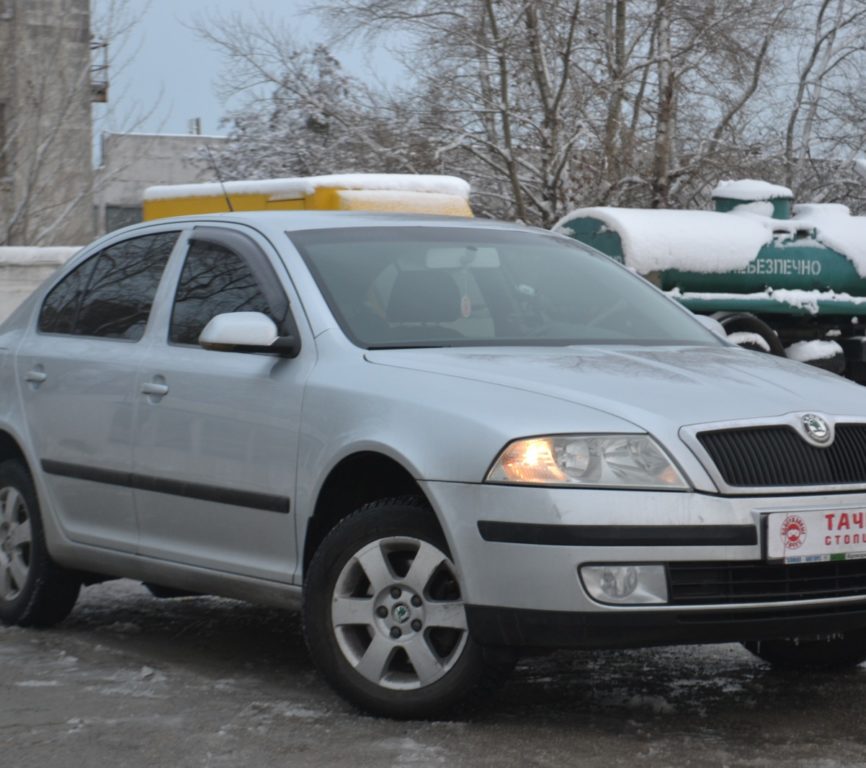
<point>172,72</point>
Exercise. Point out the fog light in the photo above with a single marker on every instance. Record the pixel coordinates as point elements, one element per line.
<point>625,584</point>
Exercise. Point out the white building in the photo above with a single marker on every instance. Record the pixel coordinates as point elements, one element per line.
<point>133,161</point>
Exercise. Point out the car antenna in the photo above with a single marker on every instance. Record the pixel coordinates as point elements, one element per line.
<point>219,178</point>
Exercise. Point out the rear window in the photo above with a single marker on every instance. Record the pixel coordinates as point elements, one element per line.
<point>110,294</point>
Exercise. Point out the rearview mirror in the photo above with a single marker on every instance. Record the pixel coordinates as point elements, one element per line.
<point>462,258</point>
<point>247,332</point>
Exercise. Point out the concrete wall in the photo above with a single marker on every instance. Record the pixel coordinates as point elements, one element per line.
<point>45,87</point>
<point>131,162</point>
<point>22,270</point>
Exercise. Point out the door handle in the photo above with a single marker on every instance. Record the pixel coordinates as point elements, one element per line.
<point>155,389</point>
<point>36,376</point>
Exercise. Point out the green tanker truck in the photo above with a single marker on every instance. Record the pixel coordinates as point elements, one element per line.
<point>786,279</point>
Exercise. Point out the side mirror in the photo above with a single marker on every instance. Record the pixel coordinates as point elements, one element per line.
<point>247,332</point>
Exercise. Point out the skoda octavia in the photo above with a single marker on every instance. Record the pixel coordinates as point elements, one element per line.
<point>445,441</point>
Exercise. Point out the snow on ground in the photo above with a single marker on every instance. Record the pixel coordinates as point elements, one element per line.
<point>135,681</point>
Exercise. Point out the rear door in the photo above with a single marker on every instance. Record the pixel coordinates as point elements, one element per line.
<point>217,433</point>
<point>77,372</point>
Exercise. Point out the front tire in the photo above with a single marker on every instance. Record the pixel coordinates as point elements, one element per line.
<point>835,652</point>
<point>34,591</point>
<point>385,620</point>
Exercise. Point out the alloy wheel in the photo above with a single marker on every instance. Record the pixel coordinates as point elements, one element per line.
<point>397,613</point>
<point>16,539</point>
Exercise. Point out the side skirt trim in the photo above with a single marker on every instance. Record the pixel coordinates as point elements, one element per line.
<point>220,495</point>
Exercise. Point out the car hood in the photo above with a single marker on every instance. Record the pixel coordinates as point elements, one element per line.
<point>655,388</point>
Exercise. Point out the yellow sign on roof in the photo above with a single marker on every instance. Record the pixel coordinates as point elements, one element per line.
<point>392,193</point>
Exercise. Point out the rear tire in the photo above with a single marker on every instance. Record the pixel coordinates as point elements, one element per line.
<point>835,652</point>
<point>34,591</point>
<point>745,322</point>
<point>385,621</point>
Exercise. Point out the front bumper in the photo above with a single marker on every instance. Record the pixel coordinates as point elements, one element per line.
<point>637,629</point>
<point>519,549</point>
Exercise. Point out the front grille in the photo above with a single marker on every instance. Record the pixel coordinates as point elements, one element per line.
<point>778,456</point>
<point>706,583</point>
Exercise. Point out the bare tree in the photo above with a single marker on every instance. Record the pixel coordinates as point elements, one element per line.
<point>549,104</point>
<point>302,114</point>
<point>48,90</point>
<point>824,131</point>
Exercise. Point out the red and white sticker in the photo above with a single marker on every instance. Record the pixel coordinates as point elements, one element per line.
<point>816,535</point>
<point>794,532</point>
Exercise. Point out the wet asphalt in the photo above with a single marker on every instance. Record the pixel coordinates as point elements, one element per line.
<point>131,680</point>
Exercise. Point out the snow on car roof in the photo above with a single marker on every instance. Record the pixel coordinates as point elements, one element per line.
<point>307,185</point>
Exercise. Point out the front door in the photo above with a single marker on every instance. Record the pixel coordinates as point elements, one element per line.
<point>217,433</point>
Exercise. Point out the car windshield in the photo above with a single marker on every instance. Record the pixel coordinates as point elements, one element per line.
<point>440,286</point>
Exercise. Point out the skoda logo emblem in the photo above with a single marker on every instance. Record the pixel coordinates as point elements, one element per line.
<point>816,428</point>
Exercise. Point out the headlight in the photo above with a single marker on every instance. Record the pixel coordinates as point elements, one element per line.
<point>631,461</point>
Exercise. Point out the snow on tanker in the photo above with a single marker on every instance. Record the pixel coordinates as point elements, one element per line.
<point>786,279</point>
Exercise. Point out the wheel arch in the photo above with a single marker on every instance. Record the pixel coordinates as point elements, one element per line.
<point>10,449</point>
<point>357,479</point>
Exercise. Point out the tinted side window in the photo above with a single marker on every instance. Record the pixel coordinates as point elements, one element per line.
<point>121,289</point>
<point>214,280</point>
<point>110,295</point>
<point>60,307</point>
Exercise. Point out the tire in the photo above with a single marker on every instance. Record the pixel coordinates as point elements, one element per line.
<point>384,570</point>
<point>34,592</point>
<point>834,652</point>
<point>745,322</point>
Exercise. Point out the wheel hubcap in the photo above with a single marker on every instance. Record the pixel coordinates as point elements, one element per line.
<point>397,613</point>
<point>15,543</point>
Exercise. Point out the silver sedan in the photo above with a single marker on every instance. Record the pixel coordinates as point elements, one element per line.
<point>447,442</point>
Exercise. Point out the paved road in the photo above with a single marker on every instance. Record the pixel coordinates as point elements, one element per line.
<point>130,680</point>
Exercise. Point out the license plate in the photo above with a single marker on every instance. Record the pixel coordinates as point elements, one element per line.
<point>816,535</point>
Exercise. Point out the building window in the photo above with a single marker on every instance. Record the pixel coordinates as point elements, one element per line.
<point>7,9</point>
<point>117,216</point>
